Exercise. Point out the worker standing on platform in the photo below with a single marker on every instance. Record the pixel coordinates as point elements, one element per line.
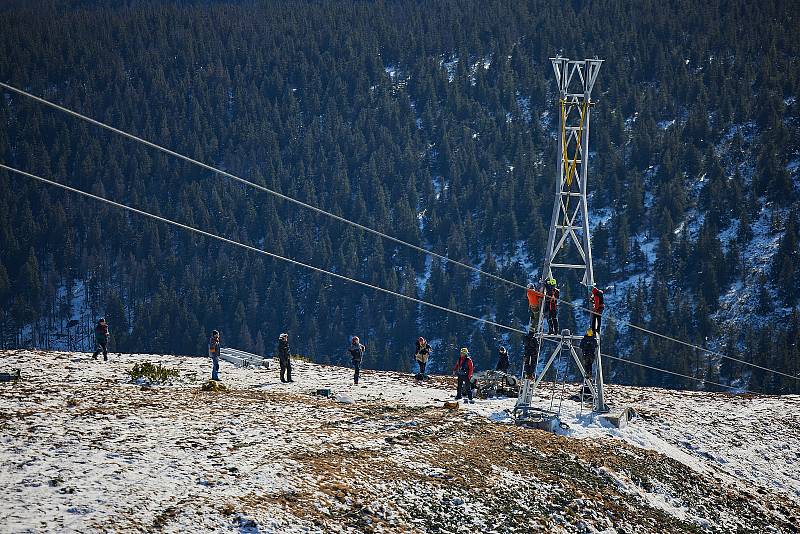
<point>596,305</point>
<point>551,303</point>
<point>535,305</point>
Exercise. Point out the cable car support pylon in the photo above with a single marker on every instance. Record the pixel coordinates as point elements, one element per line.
<point>568,243</point>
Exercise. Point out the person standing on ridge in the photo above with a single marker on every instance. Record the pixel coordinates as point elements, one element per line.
<point>463,369</point>
<point>551,295</point>
<point>535,305</point>
<point>596,305</point>
<point>356,351</point>
<point>502,360</point>
<point>101,335</point>
<point>214,345</point>
<point>423,351</point>
<point>531,344</point>
<point>284,358</point>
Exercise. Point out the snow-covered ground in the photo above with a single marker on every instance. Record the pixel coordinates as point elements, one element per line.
<point>83,449</point>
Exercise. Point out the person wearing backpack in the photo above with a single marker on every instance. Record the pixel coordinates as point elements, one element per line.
<point>284,358</point>
<point>356,351</point>
<point>463,369</point>
<point>422,353</point>
<point>596,305</point>
<point>214,345</point>
<point>101,336</point>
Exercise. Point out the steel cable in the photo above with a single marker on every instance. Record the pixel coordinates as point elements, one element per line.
<point>193,161</point>
<point>318,269</point>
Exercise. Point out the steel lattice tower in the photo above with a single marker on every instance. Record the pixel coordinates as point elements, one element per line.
<point>569,228</point>
<point>569,243</point>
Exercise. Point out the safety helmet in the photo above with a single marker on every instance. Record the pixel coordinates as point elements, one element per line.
<point>421,340</point>
<point>465,351</point>
<point>502,349</point>
<point>551,281</point>
<point>590,332</point>
<point>283,336</point>
<point>355,339</point>
<point>214,333</point>
<point>530,286</point>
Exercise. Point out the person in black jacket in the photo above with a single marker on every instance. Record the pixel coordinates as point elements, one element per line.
<point>464,369</point>
<point>284,358</point>
<point>214,346</point>
<point>101,336</point>
<point>589,348</point>
<point>502,360</point>
<point>531,353</point>
<point>356,351</point>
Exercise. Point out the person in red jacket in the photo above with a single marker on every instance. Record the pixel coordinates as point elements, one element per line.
<point>596,305</point>
<point>551,304</point>
<point>463,369</point>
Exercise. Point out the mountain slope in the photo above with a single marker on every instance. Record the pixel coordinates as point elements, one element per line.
<point>85,449</point>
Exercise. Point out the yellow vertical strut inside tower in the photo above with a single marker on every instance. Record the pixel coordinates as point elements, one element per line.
<point>570,166</point>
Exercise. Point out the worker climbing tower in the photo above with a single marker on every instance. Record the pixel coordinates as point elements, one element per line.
<point>568,243</point>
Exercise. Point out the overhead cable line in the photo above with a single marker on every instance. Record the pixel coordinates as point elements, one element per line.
<point>253,184</point>
<point>699,348</point>
<point>700,380</point>
<point>193,161</point>
<point>660,370</point>
<point>307,266</point>
<point>258,250</point>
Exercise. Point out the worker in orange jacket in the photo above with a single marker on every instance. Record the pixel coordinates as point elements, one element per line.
<point>535,305</point>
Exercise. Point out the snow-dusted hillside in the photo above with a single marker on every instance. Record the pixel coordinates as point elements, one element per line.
<point>85,450</point>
